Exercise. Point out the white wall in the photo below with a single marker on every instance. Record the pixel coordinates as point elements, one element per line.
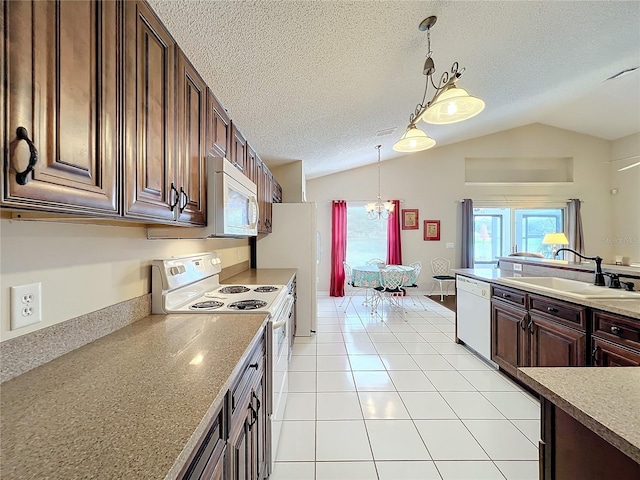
<point>433,181</point>
<point>625,234</point>
<point>84,268</point>
<point>291,179</point>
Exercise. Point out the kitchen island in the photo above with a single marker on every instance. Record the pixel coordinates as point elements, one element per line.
<point>590,421</point>
<point>132,404</point>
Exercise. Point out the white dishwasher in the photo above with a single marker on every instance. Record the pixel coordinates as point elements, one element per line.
<point>474,314</point>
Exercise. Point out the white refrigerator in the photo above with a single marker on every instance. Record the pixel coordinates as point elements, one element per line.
<point>293,244</point>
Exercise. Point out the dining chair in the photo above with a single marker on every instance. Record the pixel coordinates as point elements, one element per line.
<point>353,290</point>
<point>441,276</point>
<point>376,261</point>
<point>413,290</point>
<point>392,291</point>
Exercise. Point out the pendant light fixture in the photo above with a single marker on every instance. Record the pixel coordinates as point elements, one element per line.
<point>379,209</point>
<point>449,103</point>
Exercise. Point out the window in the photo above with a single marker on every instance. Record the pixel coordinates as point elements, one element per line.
<point>500,231</point>
<point>366,239</point>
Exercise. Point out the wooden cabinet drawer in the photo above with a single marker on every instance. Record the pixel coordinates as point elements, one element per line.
<point>252,370</point>
<point>515,297</point>
<point>616,328</point>
<point>210,449</point>
<point>569,314</point>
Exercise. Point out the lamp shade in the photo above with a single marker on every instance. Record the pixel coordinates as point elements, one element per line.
<point>414,140</point>
<point>555,239</point>
<point>451,106</point>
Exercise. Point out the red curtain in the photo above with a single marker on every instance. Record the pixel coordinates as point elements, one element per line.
<point>394,244</point>
<point>338,246</point>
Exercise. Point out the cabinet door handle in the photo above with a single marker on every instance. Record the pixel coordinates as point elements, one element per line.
<point>594,355</point>
<point>522,322</point>
<point>254,416</point>
<point>530,326</point>
<point>253,394</point>
<point>506,295</point>
<point>552,310</point>
<point>183,195</point>
<point>616,330</point>
<point>23,177</point>
<point>174,196</point>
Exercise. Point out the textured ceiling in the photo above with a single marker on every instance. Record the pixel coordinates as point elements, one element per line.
<point>315,80</point>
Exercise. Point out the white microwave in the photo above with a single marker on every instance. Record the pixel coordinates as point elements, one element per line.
<point>232,206</point>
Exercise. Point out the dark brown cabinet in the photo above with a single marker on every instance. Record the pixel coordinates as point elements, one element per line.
<point>248,427</point>
<point>218,127</point>
<point>192,114</point>
<point>150,188</point>
<point>251,165</point>
<point>531,330</point>
<point>238,155</point>
<point>615,341</point>
<point>570,450</point>
<point>61,73</point>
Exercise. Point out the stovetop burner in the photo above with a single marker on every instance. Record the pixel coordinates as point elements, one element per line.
<point>211,304</point>
<point>234,289</point>
<point>265,289</point>
<point>247,305</point>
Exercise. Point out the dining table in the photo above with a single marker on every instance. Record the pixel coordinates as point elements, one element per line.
<point>371,275</point>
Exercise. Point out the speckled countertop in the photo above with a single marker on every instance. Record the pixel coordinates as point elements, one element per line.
<point>130,405</point>
<point>605,400</point>
<point>262,276</point>
<point>630,308</point>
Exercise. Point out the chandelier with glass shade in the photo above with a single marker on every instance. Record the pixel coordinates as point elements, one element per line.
<point>449,104</point>
<point>379,209</point>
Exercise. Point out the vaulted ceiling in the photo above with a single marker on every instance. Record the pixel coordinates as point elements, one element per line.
<point>316,80</point>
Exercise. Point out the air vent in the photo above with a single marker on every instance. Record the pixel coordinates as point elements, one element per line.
<point>385,132</point>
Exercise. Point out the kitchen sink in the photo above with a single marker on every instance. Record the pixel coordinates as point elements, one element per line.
<point>572,288</point>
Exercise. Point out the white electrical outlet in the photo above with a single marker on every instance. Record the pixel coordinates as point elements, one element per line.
<point>26,305</point>
<point>449,245</point>
<point>517,267</point>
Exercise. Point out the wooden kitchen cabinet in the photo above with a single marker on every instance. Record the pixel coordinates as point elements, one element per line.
<point>238,155</point>
<point>218,127</point>
<point>61,73</point>
<point>248,428</point>
<point>531,330</point>
<point>509,339</point>
<point>149,174</point>
<point>192,114</point>
<point>208,458</point>
<point>615,341</point>
<point>570,450</point>
<point>251,164</point>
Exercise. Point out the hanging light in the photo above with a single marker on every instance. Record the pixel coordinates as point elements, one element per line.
<point>379,209</point>
<point>449,103</point>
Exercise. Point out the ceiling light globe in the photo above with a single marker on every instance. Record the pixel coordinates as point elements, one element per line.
<point>414,140</point>
<point>451,106</point>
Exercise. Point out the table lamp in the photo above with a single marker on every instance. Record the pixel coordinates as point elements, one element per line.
<point>554,239</point>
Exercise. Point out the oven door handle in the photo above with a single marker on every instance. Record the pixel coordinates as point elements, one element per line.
<point>284,312</point>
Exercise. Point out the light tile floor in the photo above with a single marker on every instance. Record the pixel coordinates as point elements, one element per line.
<point>398,399</point>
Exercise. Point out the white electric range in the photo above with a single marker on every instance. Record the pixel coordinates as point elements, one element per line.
<point>191,284</point>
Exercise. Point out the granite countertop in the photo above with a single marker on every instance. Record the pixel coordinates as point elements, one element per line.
<point>132,404</point>
<point>628,307</point>
<point>262,276</point>
<point>605,400</point>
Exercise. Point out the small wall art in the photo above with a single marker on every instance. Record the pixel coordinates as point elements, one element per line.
<point>432,229</point>
<point>410,219</point>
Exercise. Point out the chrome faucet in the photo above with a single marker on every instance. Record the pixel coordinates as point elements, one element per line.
<point>598,279</point>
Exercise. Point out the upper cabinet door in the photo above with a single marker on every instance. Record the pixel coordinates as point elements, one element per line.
<point>192,114</point>
<point>150,190</point>
<point>61,77</point>
<point>238,148</point>
<point>218,127</point>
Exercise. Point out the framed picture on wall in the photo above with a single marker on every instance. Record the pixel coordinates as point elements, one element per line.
<point>432,229</point>
<point>410,219</point>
